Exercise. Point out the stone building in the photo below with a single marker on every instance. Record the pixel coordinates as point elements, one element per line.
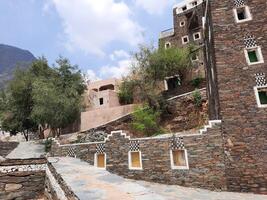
<point>236,46</point>
<point>187,30</point>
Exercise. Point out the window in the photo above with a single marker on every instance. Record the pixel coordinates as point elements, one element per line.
<point>185,39</point>
<point>182,23</point>
<point>197,36</point>
<point>135,160</point>
<point>242,14</point>
<point>194,57</point>
<point>194,3</point>
<point>100,160</point>
<point>167,45</point>
<point>179,159</point>
<point>254,55</point>
<point>261,96</point>
<point>172,83</point>
<point>101,101</point>
<point>184,8</point>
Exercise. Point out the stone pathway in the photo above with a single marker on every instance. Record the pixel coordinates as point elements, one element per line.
<point>26,150</point>
<point>88,182</point>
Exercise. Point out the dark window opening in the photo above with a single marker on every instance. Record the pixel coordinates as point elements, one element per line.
<point>194,56</point>
<point>173,83</point>
<point>185,39</point>
<point>107,87</point>
<point>263,96</point>
<point>241,13</point>
<point>101,101</point>
<point>197,36</point>
<point>193,21</point>
<point>182,23</point>
<point>167,45</point>
<point>194,3</point>
<point>253,56</point>
<point>184,8</point>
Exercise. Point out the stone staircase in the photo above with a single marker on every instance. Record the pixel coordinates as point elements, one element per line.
<point>211,124</point>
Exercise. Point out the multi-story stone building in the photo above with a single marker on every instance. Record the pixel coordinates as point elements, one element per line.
<point>187,30</point>
<point>236,46</point>
<point>233,37</point>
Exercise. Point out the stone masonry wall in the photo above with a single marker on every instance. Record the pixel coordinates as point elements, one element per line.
<point>7,147</point>
<point>244,124</point>
<point>22,179</point>
<point>205,156</point>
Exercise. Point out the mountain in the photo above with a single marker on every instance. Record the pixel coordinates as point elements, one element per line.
<point>11,58</point>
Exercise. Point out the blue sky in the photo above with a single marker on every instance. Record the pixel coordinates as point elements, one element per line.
<point>97,35</point>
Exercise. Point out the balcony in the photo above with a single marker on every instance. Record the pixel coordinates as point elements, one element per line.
<point>166,33</point>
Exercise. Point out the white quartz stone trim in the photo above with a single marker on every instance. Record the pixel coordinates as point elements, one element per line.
<point>22,168</point>
<point>58,190</point>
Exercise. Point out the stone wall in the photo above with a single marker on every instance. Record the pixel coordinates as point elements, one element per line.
<point>22,179</point>
<point>244,124</point>
<point>7,147</point>
<point>205,157</point>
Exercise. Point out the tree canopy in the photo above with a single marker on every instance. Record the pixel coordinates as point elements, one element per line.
<point>42,97</point>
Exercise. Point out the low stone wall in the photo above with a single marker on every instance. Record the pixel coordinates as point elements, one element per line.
<point>22,179</point>
<point>7,147</point>
<point>205,157</point>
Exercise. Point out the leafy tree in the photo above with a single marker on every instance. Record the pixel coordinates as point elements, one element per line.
<point>42,97</point>
<point>146,120</point>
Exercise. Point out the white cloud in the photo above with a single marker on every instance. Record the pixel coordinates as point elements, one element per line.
<point>118,54</point>
<point>118,71</point>
<point>91,25</point>
<point>154,7</point>
<point>91,76</point>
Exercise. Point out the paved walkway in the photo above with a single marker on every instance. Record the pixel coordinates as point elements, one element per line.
<point>88,182</point>
<point>26,150</point>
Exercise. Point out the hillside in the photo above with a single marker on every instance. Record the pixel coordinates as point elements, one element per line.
<point>11,58</point>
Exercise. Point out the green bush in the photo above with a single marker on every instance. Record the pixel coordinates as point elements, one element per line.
<point>197,98</point>
<point>146,120</point>
<point>126,92</point>
<point>48,144</point>
<point>196,82</point>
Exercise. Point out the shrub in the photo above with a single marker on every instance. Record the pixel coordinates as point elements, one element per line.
<point>197,98</point>
<point>196,82</point>
<point>48,144</point>
<point>146,120</point>
<point>126,93</point>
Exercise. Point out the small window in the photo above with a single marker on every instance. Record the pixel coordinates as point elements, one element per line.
<point>197,36</point>
<point>242,14</point>
<point>194,3</point>
<point>184,8</point>
<point>167,45</point>
<point>135,160</point>
<point>179,159</point>
<point>100,160</point>
<point>261,96</point>
<point>182,23</point>
<point>185,39</point>
<point>101,101</point>
<point>194,57</point>
<point>254,55</point>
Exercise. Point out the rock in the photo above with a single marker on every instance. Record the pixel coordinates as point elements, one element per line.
<point>2,159</point>
<point>12,187</point>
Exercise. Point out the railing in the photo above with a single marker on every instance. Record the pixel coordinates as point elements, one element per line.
<point>166,33</point>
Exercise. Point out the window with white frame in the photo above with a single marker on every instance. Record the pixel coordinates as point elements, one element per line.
<point>242,14</point>
<point>253,55</point>
<point>185,39</point>
<point>194,3</point>
<point>184,8</point>
<point>100,160</point>
<point>182,23</point>
<point>167,45</point>
<point>197,36</point>
<point>194,57</point>
<point>135,160</point>
<point>261,96</point>
<point>179,159</point>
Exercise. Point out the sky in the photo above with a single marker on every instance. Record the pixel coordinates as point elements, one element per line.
<point>97,35</point>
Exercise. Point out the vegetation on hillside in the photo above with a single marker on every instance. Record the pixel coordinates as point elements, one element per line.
<point>42,97</point>
<point>144,84</point>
